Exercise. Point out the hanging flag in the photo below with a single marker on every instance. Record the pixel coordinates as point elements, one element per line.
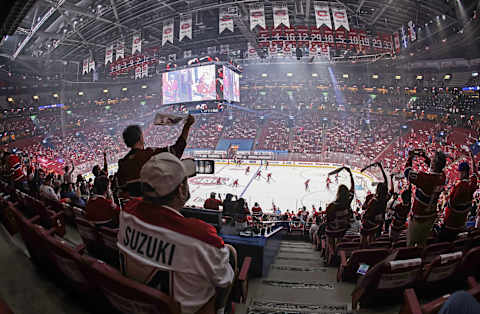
<point>109,54</point>
<point>185,27</point>
<point>167,31</point>
<point>85,66</point>
<point>340,17</point>
<point>404,37</point>
<point>225,20</point>
<point>120,53</point>
<point>187,53</point>
<point>322,14</point>
<point>251,52</point>
<point>257,16</point>
<point>138,72</point>
<point>145,69</point>
<point>396,41</point>
<point>411,31</point>
<point>136,43</point>
<point>91,65</point>
<point>280,14</point>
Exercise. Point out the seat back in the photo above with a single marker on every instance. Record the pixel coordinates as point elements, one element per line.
<point>88,233</point>
<point>347,247</point>
<point>66,259</point>
<point>409,252</point>
<point>107,237</point>
<point>380,244</point>
<point>399,274</point>
<point>442,267</point>
<point>471,262</point>
<point>126,295</point>
<point>461,244</point>
<point>399,244</point>
<point>433,250</point>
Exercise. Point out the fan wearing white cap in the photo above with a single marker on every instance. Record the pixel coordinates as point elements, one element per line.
<point>459,202</point>
<point>182,257</point>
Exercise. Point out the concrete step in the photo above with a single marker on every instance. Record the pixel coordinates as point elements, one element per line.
<point>260,306</point>
<point>297,261</point>
<point>302,273</point>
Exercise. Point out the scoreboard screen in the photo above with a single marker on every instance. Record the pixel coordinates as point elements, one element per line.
<point>231,85</point>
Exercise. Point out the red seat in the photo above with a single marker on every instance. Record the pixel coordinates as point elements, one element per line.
<point>442,267</point>
<point>4,308</point>
<point>347,271</point>
<point>88,233</point>
<point>433,250</point>
<point>126,295</point>
<point>347,247</point>
<point>461,244</point>
<point>400,243</point>
<point>380,244</point>
<point>386,279</point>
<point>411,304</point>
<point>49,218</point>
<point>471,262</point>
<point>409,252</point>
<point>107,237</point>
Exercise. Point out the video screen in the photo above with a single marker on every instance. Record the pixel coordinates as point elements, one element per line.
<point>187,85</point>
<point>231,85</point>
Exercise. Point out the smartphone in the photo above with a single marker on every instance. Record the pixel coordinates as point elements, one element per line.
<point>205,166</point>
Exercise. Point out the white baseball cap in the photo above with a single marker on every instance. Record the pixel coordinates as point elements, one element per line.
<point>164,172</point>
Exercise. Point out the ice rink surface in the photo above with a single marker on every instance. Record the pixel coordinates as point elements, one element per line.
<point>286,188</point>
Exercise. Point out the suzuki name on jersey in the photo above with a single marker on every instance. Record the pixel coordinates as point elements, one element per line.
<point>148,246</point>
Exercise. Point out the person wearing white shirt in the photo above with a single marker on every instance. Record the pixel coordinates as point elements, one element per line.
<point>47,191</point>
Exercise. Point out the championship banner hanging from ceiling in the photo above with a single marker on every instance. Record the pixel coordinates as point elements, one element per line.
<point>120,53</point>
<point>280,14</point>
<point>396,41</point>
<point>136,44</point>
<point>144,70</point>
<point>411,31</point>
<point>108,54</point>
<point>138,72</point>
<point>322,14</point>
<point>185,27</point>
<point>340,17</point>
<point>91,65</point>
<point>225,21</point>
<point>404,37</point>
<point>284,40</point>
<point>251,52</point>
<point>167,34</point>
<point>85,66</point>
<point>257,16</point>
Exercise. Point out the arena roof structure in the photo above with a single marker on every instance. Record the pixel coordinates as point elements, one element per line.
<point>47,32</point>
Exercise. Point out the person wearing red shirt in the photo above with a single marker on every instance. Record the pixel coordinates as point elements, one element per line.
<point>400,215</point>
<point>428,185</point>
<point>99,209</point>
<point>459,203</point>
<point>212,202</point>
<point>257,210</point>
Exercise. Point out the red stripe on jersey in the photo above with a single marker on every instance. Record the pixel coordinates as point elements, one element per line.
<point>165,218</point>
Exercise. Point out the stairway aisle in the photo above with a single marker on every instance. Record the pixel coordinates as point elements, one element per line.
<point>298,282</point>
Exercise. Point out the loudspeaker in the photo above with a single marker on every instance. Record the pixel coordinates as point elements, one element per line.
<point>299,53</point>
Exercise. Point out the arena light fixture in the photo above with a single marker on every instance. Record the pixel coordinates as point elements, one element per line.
<point>375,76</point>
<point>264,74</point>
<point>475,74</point>
<point>144,86</point>
<point>10,99</point>
<point>314,74</point>
<point>55,95</point>
<point>289,74</point>
<point>105,91</point>
<point>398,77</point>
<point>124,89</point>
<point>80,93</point>
<point>35,97</point>
<point>447,77</point>
<point>345,75</point>
<point>419,77</point>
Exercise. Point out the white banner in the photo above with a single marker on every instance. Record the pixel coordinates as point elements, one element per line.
<point>404,38</point>
<point>185,27</point>
<point>411,31</point>
<point>167,31</point>
<point>280,14</point>
<point>251,52</point>
<point>85,66</point>
<point>109,54</point>
<point>225,21</point>
<point>136,44</point>
<point>145,69</point>
<point>120,50</point>
<point>322,14</point>
<point>91,65</point>
<point>340,17</point>
<point>257,16</point>
<point>138,72</point>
